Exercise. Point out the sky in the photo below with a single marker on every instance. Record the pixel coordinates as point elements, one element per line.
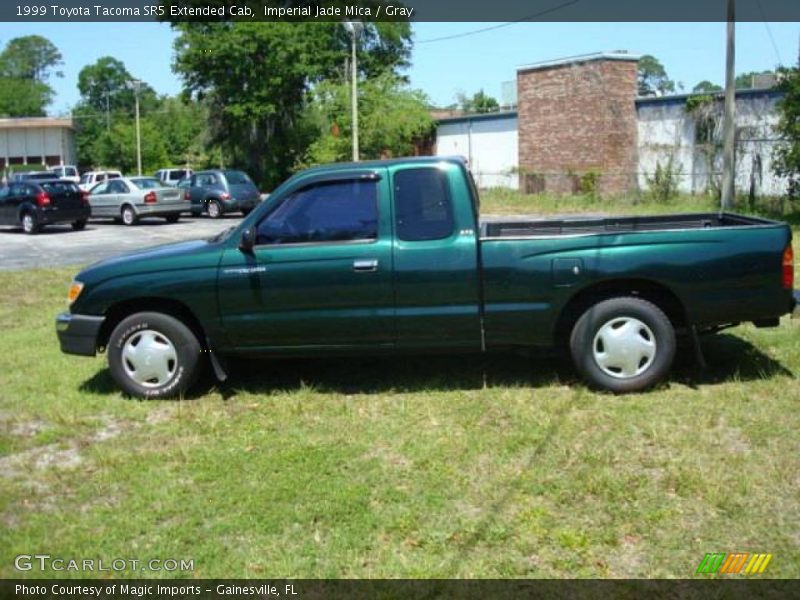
<point>690,52</point>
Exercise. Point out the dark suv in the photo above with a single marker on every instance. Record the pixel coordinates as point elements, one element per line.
<point>221,191</point>
<point>34,204</point>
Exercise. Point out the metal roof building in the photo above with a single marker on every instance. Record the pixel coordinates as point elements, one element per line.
<point>36,141</point>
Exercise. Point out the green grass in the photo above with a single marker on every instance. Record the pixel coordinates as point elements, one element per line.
<point>414,467</point>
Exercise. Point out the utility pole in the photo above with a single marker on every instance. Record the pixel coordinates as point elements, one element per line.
<point>108,110</point>
<point>728,123</point>
<point>136,83</point>
<point>354,28</point>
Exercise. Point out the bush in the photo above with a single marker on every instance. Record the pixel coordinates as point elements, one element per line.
<point>663,184</point>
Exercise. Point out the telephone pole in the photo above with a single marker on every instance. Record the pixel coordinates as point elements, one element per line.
<point>728,123</point>
<point>135,83</point>
<point>354,28</point>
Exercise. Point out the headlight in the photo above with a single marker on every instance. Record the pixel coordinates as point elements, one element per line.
<point>75,289</point>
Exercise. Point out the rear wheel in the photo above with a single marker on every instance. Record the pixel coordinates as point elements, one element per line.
<point>129,216</point>
<point>79,225</point>
<point>172,218</point>
<point>30,224</point>
<point>214,209</point>
<point>153,355</point>
<point>623,345</point>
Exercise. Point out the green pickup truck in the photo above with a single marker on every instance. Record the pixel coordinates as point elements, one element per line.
<point>390,256</point>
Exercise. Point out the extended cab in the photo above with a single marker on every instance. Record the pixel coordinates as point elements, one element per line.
<point>390,256</point>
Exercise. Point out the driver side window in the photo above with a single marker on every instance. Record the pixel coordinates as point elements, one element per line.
<point>326,212</point>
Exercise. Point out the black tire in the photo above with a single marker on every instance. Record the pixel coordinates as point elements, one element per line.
<point>165,336</point>
<point>626,365</point>
<point>214,209</point>
<point>172,218</point>
<point>79,225</point>
<point>128,215</point>
<point>246,211</point>
<point>30,223</point>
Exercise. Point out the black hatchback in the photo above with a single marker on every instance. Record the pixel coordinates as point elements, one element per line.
<point>34,204</point>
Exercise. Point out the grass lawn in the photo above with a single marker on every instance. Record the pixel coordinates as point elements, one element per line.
<point>415,467</point>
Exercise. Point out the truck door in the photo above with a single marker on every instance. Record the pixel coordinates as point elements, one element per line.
<point>436,281</point>
<point>320,272</point>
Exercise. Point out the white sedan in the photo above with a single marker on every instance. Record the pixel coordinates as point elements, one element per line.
<point>127,199</point>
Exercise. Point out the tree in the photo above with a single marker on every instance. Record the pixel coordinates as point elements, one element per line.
<point>787,155</point>
<point>479,103</point>
<point>255,78</point>
<point>182,124</point>
<point>30,57</point>
<point>744,81</point>
<point>26,64</point>
<point>117,148</point>
<point>706,87</point>
<point>391,118</point>
<point>106,84</point>
<point>652,77</point>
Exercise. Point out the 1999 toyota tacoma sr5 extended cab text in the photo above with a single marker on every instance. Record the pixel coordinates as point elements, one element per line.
<point>391,256</point>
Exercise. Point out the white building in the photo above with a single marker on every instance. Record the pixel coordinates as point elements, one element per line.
<point>665,130</point>
<point>36,141</point>
<point>487,141</point>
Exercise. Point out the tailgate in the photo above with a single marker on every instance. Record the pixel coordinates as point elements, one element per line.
<point>244,191</point>
<point>63,194</point>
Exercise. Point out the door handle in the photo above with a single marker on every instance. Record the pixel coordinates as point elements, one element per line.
<point>366,265</point>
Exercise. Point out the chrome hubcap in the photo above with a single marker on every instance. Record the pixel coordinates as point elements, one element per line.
<point>27,223</point>
<point>127,216</point>
<point>213,210</point>
<point>149,358</point>
<point>624,347</point>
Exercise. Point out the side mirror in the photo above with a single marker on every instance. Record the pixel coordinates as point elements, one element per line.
<point>248,240</point>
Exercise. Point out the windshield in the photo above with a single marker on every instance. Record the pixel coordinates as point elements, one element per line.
<point>146,183</point>
<point>236,177</point>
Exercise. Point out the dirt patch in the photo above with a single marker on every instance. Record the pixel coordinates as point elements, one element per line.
<point>43,457</point>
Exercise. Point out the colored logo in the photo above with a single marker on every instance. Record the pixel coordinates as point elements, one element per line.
<point>734,563</point>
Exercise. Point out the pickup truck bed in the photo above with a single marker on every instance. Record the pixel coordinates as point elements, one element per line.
<point>531,227</point>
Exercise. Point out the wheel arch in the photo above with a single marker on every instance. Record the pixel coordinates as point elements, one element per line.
<point>174,308</point>
<point>647,289</point>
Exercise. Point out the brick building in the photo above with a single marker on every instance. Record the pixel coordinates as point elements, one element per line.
<point>578,116</point>
<point>578,123</point>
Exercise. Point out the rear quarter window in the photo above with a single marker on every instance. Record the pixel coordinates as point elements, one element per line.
<point>423,207</point>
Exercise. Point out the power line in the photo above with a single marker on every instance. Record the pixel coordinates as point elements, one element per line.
<point>500,26</point>
<point>769,32</point>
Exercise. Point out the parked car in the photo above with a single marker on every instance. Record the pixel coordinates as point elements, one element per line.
<point>34,176</point>
<point>219,191</point>
<point>127,199</point>
<point>92,178</point>
<point>67,172</point>
<point>34,204</point>
<point>391,256</point>
<point>171,177</point>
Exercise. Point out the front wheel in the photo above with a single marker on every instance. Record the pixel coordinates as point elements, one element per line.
<point>79,225</point>
<point>153,355</point>
<point>623,345</point>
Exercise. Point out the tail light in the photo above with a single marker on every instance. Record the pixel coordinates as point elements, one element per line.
<point>788,268</point>
<point>187,195</point>
<point>150,198</point>
<point>42,200</point>
<point>224,195</point>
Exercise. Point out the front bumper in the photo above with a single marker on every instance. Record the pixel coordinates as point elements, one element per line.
<point>77,334</point>
<point>796,309</point>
